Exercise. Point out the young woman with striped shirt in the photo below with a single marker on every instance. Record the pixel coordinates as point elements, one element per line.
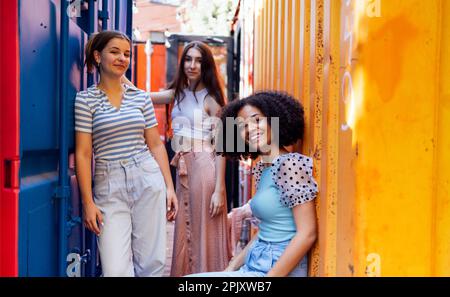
<point>132,183</point>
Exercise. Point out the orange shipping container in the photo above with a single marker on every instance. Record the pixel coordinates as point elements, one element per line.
<point>151,76</point>
<point>373,76</point>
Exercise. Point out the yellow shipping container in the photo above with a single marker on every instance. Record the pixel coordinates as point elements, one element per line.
<point>374,78</point>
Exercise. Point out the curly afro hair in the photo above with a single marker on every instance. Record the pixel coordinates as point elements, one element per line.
<point>271,104</point>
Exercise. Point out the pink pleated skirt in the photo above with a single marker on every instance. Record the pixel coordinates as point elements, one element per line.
<point>200,242</point>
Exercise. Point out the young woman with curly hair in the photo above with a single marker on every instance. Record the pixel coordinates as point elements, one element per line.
<point>267,122</point>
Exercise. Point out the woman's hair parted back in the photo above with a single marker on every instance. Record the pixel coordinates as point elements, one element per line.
<point>209,74</point>
<point>283,106</point>
<point>97,42</point>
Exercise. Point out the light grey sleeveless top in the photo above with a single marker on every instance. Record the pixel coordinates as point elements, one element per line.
<point>189,118</point>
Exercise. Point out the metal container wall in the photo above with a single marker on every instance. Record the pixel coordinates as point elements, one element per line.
<point>9,138</point>
<point>373,76</point>
<point>150,67</point>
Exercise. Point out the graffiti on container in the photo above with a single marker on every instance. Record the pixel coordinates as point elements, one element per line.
<point>373,267</point>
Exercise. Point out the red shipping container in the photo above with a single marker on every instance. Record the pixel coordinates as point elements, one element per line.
<point>9,138</point>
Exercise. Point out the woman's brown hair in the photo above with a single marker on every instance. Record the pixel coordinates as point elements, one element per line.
<point>209,77</point>
<point>97,42</point>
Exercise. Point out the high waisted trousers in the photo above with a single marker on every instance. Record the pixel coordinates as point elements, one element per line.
<point>131,194</point>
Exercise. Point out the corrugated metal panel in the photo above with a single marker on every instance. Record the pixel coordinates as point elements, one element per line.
<point>373,78</point>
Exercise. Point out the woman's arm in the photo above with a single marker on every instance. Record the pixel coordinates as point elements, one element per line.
<point>158,150</point>
<point>83,156</point>
<point>239,259</point>
<point>305,220</point>
<point>162,97</point>
<point>219,196</point>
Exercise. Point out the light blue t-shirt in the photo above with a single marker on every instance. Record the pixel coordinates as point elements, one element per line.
<point>286,183</point>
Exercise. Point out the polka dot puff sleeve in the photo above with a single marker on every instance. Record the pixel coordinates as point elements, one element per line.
<point>256,171</point>
<point>292,174</point>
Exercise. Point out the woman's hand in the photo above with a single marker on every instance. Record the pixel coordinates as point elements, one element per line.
<point>217,202</point>
<point>172,205</point>
<point>231,266</point>
<point>92,217</point>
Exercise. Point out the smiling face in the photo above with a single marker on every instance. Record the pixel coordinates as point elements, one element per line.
<point>254,128</point>
<point>193,65</point>
<point>114,59</point>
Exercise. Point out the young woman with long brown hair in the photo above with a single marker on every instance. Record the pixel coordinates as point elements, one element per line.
<point>200,242</point>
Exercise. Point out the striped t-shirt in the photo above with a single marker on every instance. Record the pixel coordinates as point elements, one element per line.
<point>116,133</point>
